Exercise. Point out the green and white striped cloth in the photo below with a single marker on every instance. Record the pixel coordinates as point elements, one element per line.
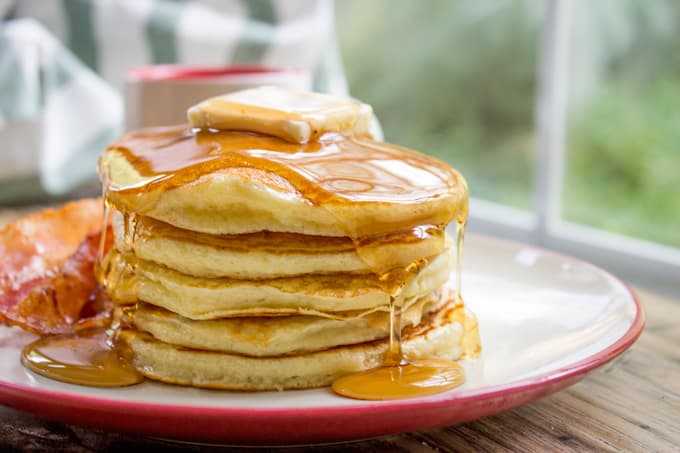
<point>62,64</point>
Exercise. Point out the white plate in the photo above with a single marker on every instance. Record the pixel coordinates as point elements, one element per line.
<point>545,320</point>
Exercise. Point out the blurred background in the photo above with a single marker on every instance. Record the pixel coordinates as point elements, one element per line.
<point>475,82</point>
<point>562,114</point>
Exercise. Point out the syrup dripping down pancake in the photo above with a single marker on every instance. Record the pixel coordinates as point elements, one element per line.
<point>277,335</point>
<point>268,254</point>
<point>319,295</point>
<point>440,334</point>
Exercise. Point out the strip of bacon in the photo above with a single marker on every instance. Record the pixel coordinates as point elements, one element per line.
<point>57,303</point>
<point>46,273</point>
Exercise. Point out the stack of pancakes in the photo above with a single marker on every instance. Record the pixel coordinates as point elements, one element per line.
<point>245,261</point>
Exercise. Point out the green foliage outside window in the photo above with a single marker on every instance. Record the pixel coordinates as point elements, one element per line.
<point>458,79</point>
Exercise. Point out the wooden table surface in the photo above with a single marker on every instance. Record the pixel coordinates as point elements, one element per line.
<point>632,404</point>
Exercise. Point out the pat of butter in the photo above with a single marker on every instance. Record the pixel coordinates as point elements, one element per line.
<point>294,116</point>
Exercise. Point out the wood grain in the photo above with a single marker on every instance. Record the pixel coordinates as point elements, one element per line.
<point>632,404</point>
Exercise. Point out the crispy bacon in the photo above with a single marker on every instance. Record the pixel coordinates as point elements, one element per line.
<point>47,282</point>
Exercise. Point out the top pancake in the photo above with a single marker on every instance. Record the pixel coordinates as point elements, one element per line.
<point>232,182</point>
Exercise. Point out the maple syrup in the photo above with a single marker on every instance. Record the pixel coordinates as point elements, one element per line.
<point>404,380</point>
<point>92,357</point>
<point>87,358</point>
<point>336,170</point>
<point>398,377</point>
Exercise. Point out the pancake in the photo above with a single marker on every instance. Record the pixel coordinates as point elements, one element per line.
<point>275,336</point>
<point>237,182</point>
<point>283,251</point>
<point>269,255</point>
<point>439,335</point>
<point>322,295</point>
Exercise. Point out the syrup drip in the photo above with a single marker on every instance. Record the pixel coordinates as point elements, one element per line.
<point>93,357</point>
<point>105,221</point>
<point>400,378</point>
<point>116,272</point>
<point>87,358</point>
<point>460,236</point>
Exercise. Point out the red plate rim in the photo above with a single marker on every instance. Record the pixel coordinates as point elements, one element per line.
<point>190,72</point>
<point>321,423</point>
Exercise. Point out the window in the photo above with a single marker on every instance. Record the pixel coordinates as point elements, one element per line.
<point>564,116</point>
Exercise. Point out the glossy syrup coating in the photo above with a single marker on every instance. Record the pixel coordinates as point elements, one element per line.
<point>334,170</point>
<point>367,187</point>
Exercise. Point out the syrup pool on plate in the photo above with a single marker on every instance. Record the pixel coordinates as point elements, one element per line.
<point>92,356</point>
<point>86,358</point>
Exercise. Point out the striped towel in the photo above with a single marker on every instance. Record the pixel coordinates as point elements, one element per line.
<point>62,65</point>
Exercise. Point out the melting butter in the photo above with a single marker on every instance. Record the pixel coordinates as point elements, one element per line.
<point>296,117</point>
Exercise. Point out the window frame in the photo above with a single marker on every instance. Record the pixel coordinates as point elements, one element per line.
<point>638,261</point>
